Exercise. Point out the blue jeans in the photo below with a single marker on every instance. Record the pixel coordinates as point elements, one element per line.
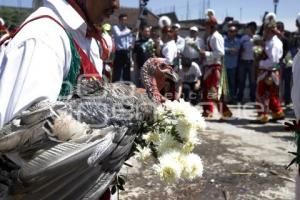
<point>246,69</point>
<point>121,66</point>
<point>232,80</point>
<point>138,80</point>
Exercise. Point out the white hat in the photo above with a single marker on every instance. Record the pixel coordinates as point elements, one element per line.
<point>164,21</point>
<point>177,25</point>
<point>270,17</point>
<point>194,28</point>
<point>298,18</point>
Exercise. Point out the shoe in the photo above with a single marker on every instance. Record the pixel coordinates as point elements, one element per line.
<point>263,118</point>
<point>278,115</point>
<point>227,114</point>
<point>207,114</point>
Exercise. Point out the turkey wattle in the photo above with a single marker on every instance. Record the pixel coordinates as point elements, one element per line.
<point>74,149</point>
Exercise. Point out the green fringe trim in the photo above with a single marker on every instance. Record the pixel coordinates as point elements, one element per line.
<point>74,71</point>
<point>223,88</point>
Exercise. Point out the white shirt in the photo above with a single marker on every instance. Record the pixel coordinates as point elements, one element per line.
<point>296,83</point>
<point>122,36</point>
<point>169,51</point>
<point>192,75</point>
<point>180,43</point>
<point>38,58</point>
<point>216,49</point>
<point>274,51</point>
<point>247,48</point>
<point>191,52</point>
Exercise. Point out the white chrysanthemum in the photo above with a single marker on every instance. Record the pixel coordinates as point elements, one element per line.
<point>166,143</point>
<point>184,109</point>
<point>160,112</point>
<point>187,131</point>
<point>169,168</point>
<point>195,120</point>
<point>188,147</point>
<point>144,154</point>
<point>176,107</point>
<point>151,137</point>
<point>193,166</point>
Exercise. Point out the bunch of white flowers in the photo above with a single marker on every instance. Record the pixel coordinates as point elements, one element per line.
<point>174,166</point>
<point>173,137</point>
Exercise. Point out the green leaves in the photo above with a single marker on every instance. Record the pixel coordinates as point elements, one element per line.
<point>118,184</point>
<point>113,189</point>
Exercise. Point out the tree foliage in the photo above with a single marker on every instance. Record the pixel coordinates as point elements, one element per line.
<point>13,17</point>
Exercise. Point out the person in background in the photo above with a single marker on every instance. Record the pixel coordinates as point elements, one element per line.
<point>295,42</point>
<point>212,79</point>
<point>232,47</point>
<point>123,38</point>
<point>180,42</point>
<point>190,76</point>
<point>4,32</point>
<point>142,51</point>
<point>107,51</point>
<point>268,76</point>
<point>169,48</point>
<point>296,106</point>
<point>285,65</point>
<point>156,39</point>
<point>246,65</point>
<point>193,44</point>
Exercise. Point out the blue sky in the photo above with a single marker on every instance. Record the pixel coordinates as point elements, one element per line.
<point>244,10</point>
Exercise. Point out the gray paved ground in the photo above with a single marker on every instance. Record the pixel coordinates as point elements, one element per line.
<point>242,160</point>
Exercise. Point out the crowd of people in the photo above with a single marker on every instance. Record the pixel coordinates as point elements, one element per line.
<point>216,66</point>
<point>63,41</point>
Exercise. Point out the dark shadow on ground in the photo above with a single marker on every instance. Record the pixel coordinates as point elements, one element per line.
<point>285,137</point>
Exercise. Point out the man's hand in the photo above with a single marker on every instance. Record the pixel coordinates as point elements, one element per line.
<point>197,85</point>
<point>202,53</point>
<point>233,50</point>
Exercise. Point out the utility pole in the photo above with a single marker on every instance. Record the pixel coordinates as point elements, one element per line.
<point>241,14</point>
<point>187,9</point>
<point>142,6</point>
<point>203,9</point>
<point>208,4</point>
<point>275,5</point>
